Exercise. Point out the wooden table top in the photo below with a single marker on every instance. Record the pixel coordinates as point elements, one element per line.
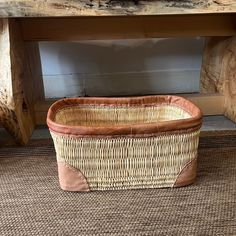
<point>60,8</point>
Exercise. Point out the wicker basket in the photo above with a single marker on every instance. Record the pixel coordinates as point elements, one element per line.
<point>125,143</point>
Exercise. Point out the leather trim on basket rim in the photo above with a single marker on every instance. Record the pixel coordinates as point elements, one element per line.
<point>116,136</point>
<point>194,122</point>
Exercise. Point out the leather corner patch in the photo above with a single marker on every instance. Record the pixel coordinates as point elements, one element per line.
<point>187,175</point>
<point>71,179</point>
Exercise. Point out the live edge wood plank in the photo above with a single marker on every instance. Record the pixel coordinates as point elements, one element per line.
<point>39,8</point>
<point>219,71</point>
<point>16,88</point>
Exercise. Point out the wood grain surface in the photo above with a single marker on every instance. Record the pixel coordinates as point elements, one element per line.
<point>219,71</point>
<point>32,8</point>
<point>126,27</point>
<point>16,111</point>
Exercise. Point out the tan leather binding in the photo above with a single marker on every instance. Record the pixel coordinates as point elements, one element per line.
<point>187,175</point>
<point>71,179</point>
<point>191,123</point>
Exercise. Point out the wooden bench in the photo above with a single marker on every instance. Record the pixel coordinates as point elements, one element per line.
<point>24,23</point>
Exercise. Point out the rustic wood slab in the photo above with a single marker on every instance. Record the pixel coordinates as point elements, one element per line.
<point>219,71</point>
<point>17,87</point>
<point>32,8</point>
<point>20,70</point>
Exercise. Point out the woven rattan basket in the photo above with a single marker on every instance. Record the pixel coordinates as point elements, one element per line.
<point>125,143</point>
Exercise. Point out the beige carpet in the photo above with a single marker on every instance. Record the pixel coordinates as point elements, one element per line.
<point>31,203</point>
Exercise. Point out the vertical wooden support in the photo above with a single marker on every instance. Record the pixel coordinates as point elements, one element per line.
<point>219,71</point>
<point>16,86</point>
<point>33,73</point>
<point>229,73</point>
<point>212,80</point>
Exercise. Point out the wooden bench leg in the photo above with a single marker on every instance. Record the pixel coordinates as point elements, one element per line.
<point>219,71</point>
<point>16,86</point>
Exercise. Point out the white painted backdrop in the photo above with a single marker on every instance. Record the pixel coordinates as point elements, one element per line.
<point>121,67</point>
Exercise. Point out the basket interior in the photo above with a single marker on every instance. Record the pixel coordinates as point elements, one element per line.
<point>112,116</point>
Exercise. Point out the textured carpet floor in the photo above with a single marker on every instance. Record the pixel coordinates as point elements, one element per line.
<point>31,203</point>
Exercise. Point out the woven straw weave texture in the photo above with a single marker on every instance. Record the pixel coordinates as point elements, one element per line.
<point>128,162</point>
<point>103,116</point>
<point>32,203</point>
<point>139,154</point>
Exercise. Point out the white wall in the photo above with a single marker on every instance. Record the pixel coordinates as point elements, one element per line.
<point>121,67</point>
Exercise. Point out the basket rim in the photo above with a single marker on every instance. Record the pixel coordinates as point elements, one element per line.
<point>194,122</point>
